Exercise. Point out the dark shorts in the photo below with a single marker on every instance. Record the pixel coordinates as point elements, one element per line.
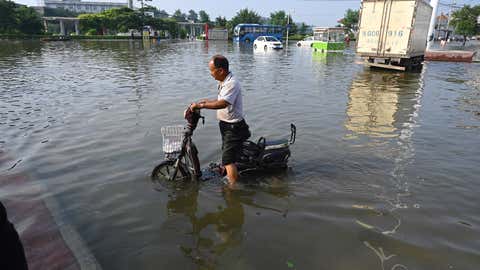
<point>233,135</point>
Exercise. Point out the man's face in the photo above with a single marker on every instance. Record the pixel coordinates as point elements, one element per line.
<point>217,73</point>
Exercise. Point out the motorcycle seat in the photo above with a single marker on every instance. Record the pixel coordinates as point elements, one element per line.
<point>275,144</point>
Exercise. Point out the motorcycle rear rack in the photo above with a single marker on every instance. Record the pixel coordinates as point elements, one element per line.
<point>277,144</point>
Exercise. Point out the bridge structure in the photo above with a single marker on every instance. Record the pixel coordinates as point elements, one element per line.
<point>61,21</point>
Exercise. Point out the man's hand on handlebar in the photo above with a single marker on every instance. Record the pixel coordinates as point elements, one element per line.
<point>197,105</point>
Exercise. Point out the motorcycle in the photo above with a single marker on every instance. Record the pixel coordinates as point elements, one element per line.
<point>181,155</point>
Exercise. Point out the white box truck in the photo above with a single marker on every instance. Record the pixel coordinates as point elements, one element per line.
<point>217,34</point>
<point>393,33</point>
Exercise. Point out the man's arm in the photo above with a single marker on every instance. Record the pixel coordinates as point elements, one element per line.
<point>210,104</point>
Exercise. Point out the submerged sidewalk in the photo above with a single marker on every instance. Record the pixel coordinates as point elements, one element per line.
<point>48,241</point>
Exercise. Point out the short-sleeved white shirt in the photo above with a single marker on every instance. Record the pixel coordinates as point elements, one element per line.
<point>230,91</point>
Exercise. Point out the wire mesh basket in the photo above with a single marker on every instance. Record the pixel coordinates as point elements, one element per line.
<point>172,138</point>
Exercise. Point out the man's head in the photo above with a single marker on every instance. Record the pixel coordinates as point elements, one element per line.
<point>218,66</point>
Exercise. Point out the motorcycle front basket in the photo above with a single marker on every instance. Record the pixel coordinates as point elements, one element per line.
<point>172,137</point>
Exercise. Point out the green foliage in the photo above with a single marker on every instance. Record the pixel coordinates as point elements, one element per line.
<point>245,16</point>
<point>91,32</point>
<point>179,16</point>
<point>350,20</point>
<point>18,19</point>
<point>123,19</point>
<point>192,15</point>
<point>7,17</point>
<point>465,21</point>
<point>162,14</point>
<point>303,30</point>
<point>204,18</point>
<point>220,21</point>
<point>90,22</point>
<point>280,18</point>
<point>296,37</point>
<point>183,33</point>
<point>171,26</point>
<point>28,21</point>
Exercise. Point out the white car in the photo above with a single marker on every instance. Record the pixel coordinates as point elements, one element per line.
<point>306,42</point>
<point>267,42</point>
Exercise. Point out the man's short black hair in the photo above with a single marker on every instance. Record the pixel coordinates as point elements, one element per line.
<point>220,61</point>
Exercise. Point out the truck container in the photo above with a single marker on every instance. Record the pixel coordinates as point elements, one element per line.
<point>393,33</point>
<point>218,34</point>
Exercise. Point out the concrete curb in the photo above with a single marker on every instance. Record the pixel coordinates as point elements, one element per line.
<point>72,239</point>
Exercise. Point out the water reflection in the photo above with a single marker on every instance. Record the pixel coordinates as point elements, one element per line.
<point>213,233</point>
<point>380,103</point>
<point>384,106</point>
<point>226,224</point>
<point>326,58</point>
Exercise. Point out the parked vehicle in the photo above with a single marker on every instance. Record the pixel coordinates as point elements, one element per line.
<point>328,39</point>
<point>267,42</point>
<point>181,162</point>
<point>306,42</point>
<point>249,32</point>
<point>393,34</point>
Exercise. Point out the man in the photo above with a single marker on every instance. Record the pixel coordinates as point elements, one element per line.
<point>229,108</point>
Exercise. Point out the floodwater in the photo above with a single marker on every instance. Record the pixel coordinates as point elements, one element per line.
<point>384,173</point>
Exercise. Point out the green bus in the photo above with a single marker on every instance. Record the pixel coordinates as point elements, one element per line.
<point>328,39</point>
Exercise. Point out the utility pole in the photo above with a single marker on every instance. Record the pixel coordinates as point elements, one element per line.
<point>430,37</point>
<point>288,26</point>
<point>449,18</point>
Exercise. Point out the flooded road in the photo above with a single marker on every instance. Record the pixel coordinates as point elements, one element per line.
<point>384,173</point>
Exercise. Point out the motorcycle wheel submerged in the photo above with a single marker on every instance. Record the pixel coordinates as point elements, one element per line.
<point>162,173</point>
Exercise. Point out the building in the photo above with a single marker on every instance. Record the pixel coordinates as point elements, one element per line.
<point>442,28</point>
<point>84,7</point>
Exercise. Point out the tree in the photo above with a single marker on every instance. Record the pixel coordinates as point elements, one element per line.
<point>278,18</point>
<point>162,14</point>
<point>350,21</point>
<point>28,20</point>
<point>16,18</point>
<point>245,16</point>
<point>220,21</point>
<point>7,16</point>
<point>281,18</point>
<point>179,16</point>
<point>303,29</point>
<point>465,21</point>
<point>192,15</point>
<point>204,18</point>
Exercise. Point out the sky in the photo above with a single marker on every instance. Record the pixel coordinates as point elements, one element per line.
<point>312,12</point>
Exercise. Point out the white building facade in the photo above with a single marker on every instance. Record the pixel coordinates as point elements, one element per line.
<point>83,7</point>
